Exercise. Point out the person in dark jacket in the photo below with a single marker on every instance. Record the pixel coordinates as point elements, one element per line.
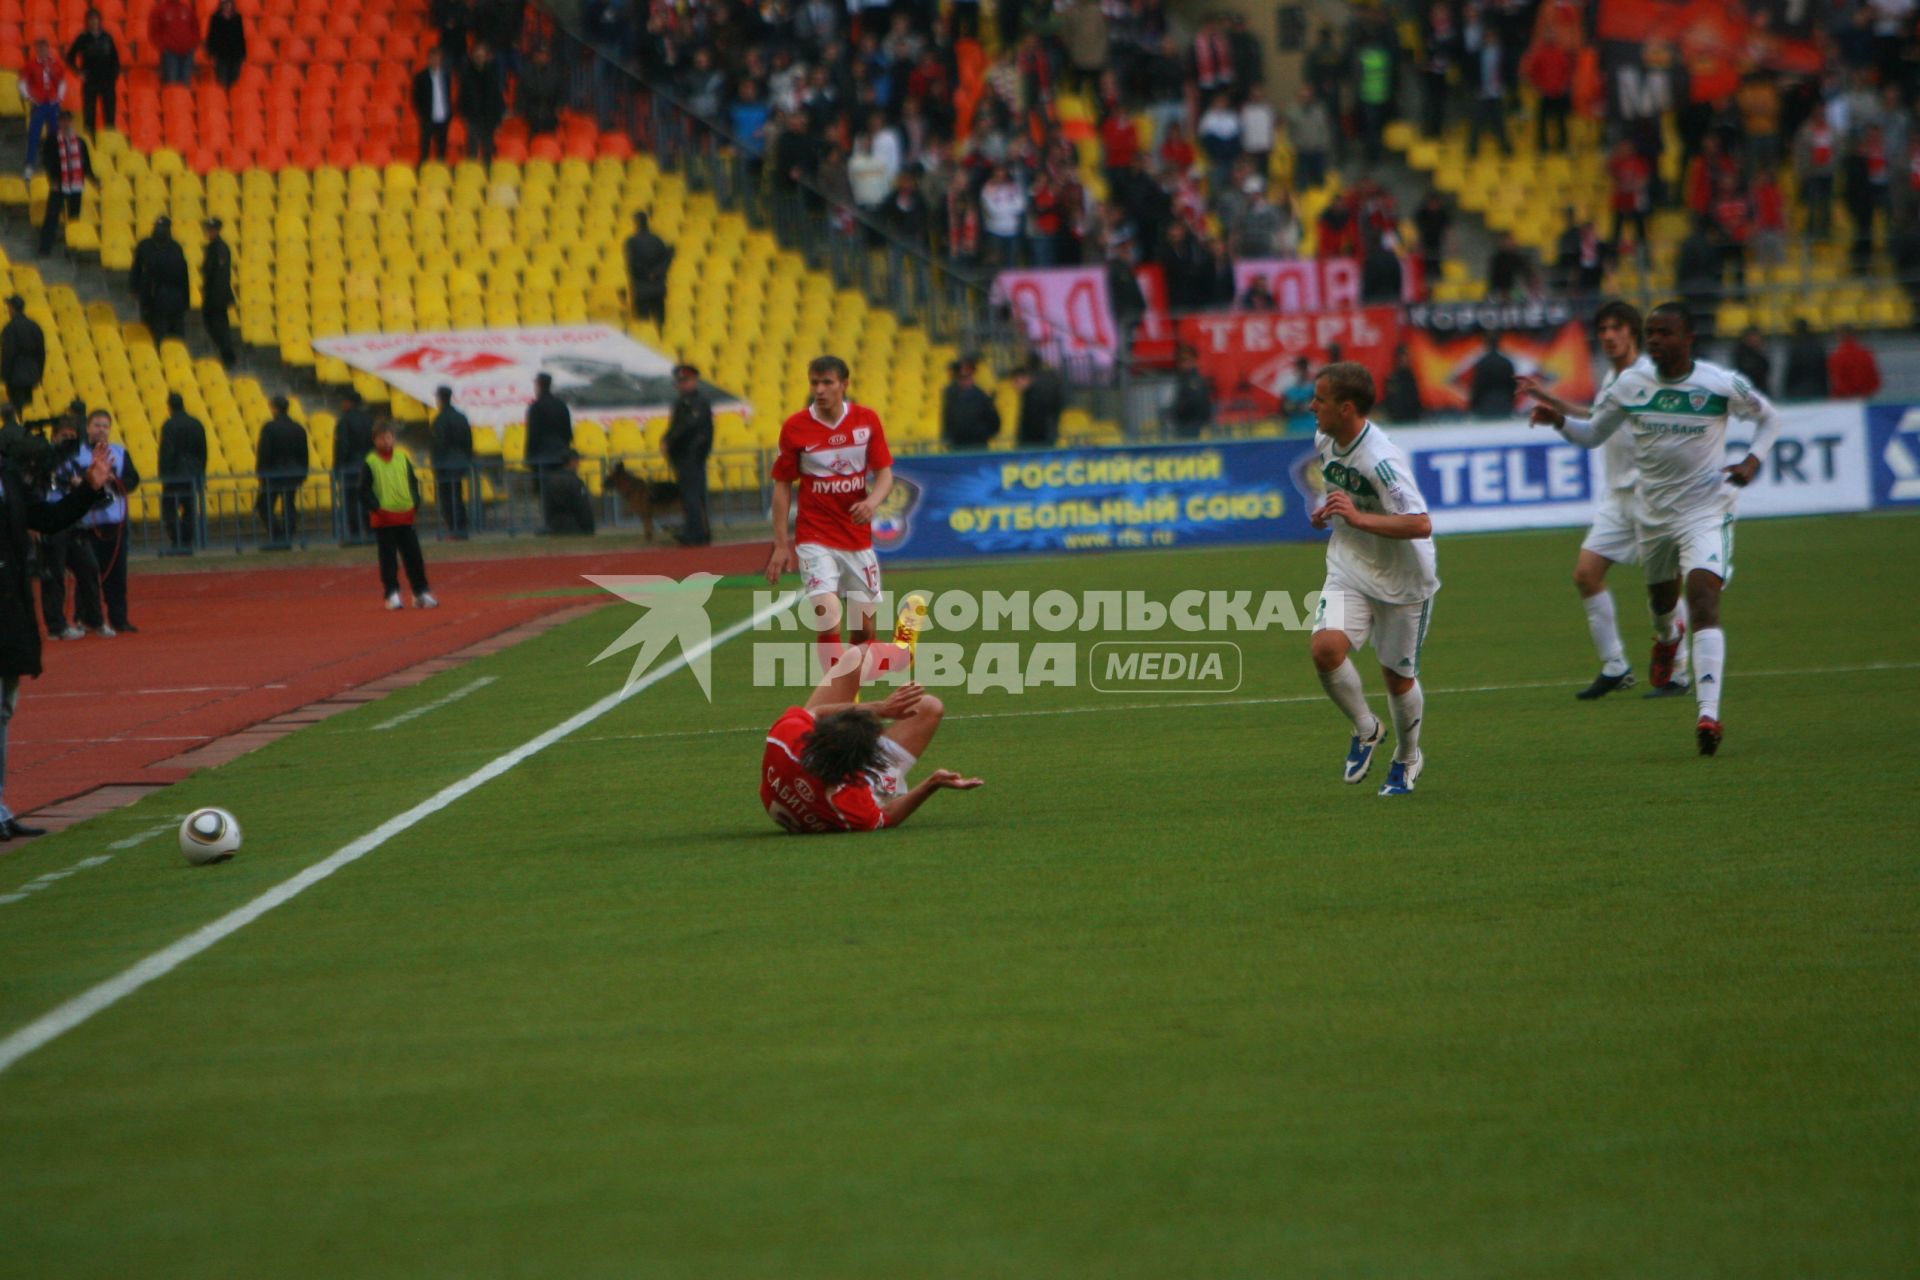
<point>1806,377</point>
<point>565,502</point>
<point>68,550</point>
<point>389,490</point>
<point>227,43</point>
<point>1700,273</point>
<point>549,426</point>
<point>1750,359</point>
<point>23,353</point>
<point>1129,304</point>
<point>183,475</point>
<point>1381,279</point>
<point>687,445</point>
<point>352,440</point>
<point>452,462</point>
<point>1402,399</point>
<point>216,292</point>
<point>68,164</point>
<point>1494,384</point>
<point>21,511</point>
<point>1186,268</point>
<point>969,419</point>
<point>483,102</point>
<point>434,104</point>
<point>1190,412</point>
<point>1043,398</point>
<point>161,282</point>
<point>96,57</point>
<point>281,462</point>
<point>649,258</point>
<point>542,90</point>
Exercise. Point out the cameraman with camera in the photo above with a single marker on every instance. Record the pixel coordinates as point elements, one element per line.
<point>69,550</point>
<point>22,509</point>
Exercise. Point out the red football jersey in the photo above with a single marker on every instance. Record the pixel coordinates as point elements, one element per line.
<point>830,464</point>
<point>801,802</point>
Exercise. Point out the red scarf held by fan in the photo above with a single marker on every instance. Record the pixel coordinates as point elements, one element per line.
<point>73,175</point>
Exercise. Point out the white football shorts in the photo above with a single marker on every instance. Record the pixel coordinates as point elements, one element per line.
<point>1675,551</point>
<point>1398,631</point>
<point>829,571</point>
<point>1613,535</point>
<point>890,777</point>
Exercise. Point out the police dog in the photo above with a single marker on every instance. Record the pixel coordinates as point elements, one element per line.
<point>645,498</point>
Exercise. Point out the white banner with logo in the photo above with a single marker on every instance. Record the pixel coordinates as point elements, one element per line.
<point>1064,311</point>
<point>600,372</point>
<point>1512,476</point>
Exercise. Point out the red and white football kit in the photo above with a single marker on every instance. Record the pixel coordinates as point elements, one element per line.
<point>803,804</point>
<point>828,463</point>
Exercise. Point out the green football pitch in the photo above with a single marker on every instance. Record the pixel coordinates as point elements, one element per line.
<point>1164,998</point>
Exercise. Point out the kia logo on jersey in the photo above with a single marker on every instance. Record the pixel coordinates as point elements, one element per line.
<point>836,441</point>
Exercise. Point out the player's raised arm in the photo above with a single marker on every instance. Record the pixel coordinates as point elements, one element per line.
<point>1530,385</point>
<point>1590,433</point>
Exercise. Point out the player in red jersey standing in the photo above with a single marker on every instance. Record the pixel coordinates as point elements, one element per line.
<point>828,449</point>
<point>835,766</point>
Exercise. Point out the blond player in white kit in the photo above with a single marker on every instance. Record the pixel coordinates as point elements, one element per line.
<point>1380,573</point>
<point>1678,409</point>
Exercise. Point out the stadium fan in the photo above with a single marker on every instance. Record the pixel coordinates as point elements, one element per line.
<point>43,86</point>
<point>96,57</point>
<point>106,524</point>
<point>834,765</point>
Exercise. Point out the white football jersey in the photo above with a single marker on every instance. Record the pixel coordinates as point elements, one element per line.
<point>1679,432</point>
<point>1377,475</point>
<point>1616,455</point>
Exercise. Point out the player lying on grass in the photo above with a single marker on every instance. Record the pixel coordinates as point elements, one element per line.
<point>1612,539</point>
<point>834,765</point>
<point>1678,409</point>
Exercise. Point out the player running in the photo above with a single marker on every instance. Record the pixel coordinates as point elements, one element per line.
<point>1678,409</point>
<point>828,449</point>
<point>835,766</point>
<point>1612,539</point>
<point>1380,573</point>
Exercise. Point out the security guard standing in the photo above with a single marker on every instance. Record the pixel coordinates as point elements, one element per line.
<point>216,291</point>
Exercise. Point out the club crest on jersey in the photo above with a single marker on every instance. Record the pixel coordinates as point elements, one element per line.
<point>1698,399</point>
<point>862,434</point>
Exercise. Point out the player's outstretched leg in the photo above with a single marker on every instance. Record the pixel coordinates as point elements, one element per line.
<point>1668,669</point>
<point>1590,579</point>
<point>1341,680</point>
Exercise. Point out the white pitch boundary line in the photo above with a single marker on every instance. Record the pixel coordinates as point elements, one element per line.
<point>472,687</point>
<point>1281,700</point>
<point>66,1017</point>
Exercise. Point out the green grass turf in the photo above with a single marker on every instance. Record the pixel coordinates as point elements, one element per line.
<point>1164,999</point>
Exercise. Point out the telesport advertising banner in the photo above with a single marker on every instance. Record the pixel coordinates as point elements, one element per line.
<point>600,372</point>
<point>1250,356</point>
<point>1474,478</point>
<point>1544,340</point>
<point>970,504</point>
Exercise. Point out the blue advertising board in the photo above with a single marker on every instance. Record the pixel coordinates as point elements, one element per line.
<point>1893,446</point>
<point>971,504</point>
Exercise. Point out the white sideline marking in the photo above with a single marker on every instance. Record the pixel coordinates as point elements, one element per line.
<point>1098,707</point>
<point>35,885</point>
<point>66,1017</point>
<point>465,689</point>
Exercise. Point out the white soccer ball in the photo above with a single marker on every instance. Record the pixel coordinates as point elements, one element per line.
<point>209,835</point>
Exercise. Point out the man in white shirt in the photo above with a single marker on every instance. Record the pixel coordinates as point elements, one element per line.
<point>1381,573</point>
<point>1678,409</point>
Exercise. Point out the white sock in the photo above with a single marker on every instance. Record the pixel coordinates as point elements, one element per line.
<point>1343,686</point>
<point>1710,662</point>
<point>1605,630</point>
<point>1407,709</point>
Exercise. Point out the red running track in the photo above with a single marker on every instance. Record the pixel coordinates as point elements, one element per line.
<point>222,650</point>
